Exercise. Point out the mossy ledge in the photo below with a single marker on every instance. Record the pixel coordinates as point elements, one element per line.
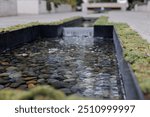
<point>136,52</point>
<point>22,26</point>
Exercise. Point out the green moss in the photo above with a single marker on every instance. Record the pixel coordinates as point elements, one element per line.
<point>145,85</point>
<point>9,94</point>
<point>37,93</point>
<point>43,92</point>
<point>70,19</point>
<point>19,26</point>
<point>102,21</point>
<point>136,51</point>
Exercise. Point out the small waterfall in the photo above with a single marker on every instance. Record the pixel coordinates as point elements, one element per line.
<point>78,36</point>
<point>78,32</point>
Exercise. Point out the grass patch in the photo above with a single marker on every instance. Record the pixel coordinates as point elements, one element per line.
<point>37,93</point>
<point>136,51</point>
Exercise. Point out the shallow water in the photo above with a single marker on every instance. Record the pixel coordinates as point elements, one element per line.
<point>76,65</point>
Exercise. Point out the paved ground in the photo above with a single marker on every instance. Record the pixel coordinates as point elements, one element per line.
<point>10,21</point>
<point>139,21</point>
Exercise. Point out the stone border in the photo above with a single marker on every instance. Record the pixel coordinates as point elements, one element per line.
<point>13,39</point>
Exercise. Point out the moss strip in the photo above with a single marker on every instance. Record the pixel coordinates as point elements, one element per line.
<point>21,26</point>
<point>37,93</point>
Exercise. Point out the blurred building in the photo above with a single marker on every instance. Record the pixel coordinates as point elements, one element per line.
<point>100,5</point>
<point>8,7</point>
<point>31,6</point>
<point>40,7</point>
<point>15,7</point>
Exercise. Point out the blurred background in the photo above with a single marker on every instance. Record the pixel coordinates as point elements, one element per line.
<point>19,7</point>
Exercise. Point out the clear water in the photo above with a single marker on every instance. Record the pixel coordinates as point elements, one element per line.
<point>77,64</point>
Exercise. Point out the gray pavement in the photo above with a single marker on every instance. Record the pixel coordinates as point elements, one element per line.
<point>139,21</point>
<point>23,19</point>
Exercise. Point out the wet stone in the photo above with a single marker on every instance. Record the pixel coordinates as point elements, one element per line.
<point>2,70</point>
<point>56,83</point>
<point>68,76</point>
<point>104,75</point>
<point>70,80</point>
<point>96,69</point>
<point>29,78</point>
<point>11,68</point>
<point>75,65</point>
<point>114,89</point>
<point>88,92</point>
<point>76,89</point>
<point>31,73</point>
<point>89,69</point>
<point>41,81</point>
<point>98,93</point>
<point>4,74</point>
<point>23,55</point>
<point>115,96</point>
<point>23,87</point>
<point>4,63</point>
<point>44,71</point>
<point>56,76</point>
<point>7,85</point>
<point>15,75</point>
<point>3,82</point>
<point>31,82</point>
<point>5,78</point>
<point>30,86</point>
<point>68,72</point>
<point>15,85</point>
<point>2,86</point>
<point>66,91</point>
<point>12,80</point>
<point>106,94</point>
<point>32,65</point>
<point>44,76</point>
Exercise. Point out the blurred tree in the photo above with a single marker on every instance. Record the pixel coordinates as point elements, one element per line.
<point>79,2</point>
<point>58,2</point>
<point>73,3</point>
